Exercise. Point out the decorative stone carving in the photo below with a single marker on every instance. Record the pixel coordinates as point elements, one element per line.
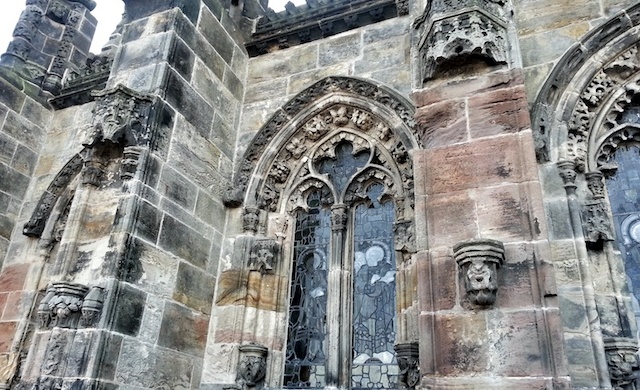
<point>251,219</point>
<point>264,255</point>
<point>339,217</point>
<point>71,18</point>
<point>130,162</point>
<point>453,30</point>
<point>597,92</point>
<point>8,365</point>
<point>404,235</point>
<point>621,359</point>
<point>317,127</point>
<point>253,365</point>
<point>40,216</point>
<point>461,36</point>
<point>92,307</point>
<point>478,262</point>
<point>65,304</point>
<point>121,116</point>
<point>567,171</point>
<point>596,219</point>
<point>78,84</point>
<point>408,357</point>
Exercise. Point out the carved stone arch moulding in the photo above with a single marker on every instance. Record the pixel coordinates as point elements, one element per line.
<point>604,61</point>
<point>332,103</point>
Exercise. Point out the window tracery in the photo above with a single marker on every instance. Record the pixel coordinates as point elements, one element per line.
<point>348,185</point>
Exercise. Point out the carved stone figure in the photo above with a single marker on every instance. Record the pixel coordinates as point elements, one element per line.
<point>479,262</point>
<point>622,360</point>
<point>408,357</point>
<point>253,365</point>
<point>264,254</point>
<point>251,219</point>
<point>339,217</point>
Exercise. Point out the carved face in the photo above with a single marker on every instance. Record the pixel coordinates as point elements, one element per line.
<point>480,276</point>
<point>620,364</point>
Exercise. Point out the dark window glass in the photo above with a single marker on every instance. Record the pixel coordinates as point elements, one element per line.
<point>305,360</point>
<point>374,304</point>
<point>624,191</point>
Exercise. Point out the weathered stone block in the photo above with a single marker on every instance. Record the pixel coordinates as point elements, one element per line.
<point>442,124</point>
<point>468,87</point>
<point>477,164</point>
<point>498,112</point>
<point>541,15</point>
<point>184,242</point>
<point>7,148</point>
<point>574,312</point>
<point>181,58</point>
<point>462,343</point>
<point>130,310</point>
<point>184,99</point>
<point>145,366</point>
<point>451,219</point>
<point>380,55</point>
<point>6,226</point>
<point>183,330</point>
<point>13,277</point>
<point>210,210</point>
<point>148,221</point>
<point>24,160</point>
<point>194,288</point>
<point>176,187</point>
<point>7,333</point>
<point>10,96</point>
<point>24,131</point>
<point>279,64</point>
<point>213,31</point>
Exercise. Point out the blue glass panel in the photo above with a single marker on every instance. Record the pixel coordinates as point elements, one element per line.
<point>624,190</point>
<point>305,359</point>
<point>374,305</point>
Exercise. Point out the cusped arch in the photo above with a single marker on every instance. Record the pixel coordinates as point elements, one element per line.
<point>373,111</point>
<point>581,89</point>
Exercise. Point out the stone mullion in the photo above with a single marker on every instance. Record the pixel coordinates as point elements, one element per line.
<point>567,171</point>
<point>335,300</point>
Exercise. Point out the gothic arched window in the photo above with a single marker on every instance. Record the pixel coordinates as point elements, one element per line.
<point>346,184</point>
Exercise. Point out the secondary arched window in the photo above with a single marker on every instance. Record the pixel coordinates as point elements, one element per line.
<point>342,313</point>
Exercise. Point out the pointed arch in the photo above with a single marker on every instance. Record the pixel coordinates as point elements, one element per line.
<point>583,86</point>
<point>300,120</point>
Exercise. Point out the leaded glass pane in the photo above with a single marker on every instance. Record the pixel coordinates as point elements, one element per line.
<point>374,305</point>
<point>305,360</point>
<point>344,166</point>
<point>624,195</point>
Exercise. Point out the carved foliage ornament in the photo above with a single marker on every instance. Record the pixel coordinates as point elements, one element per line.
<point>596,218</point>
<point>331,85</point>
<point>252,367</point>
<point>408,356</point>
<point>337,125</point>
<point>471,33</point>
<point>478,262</point>
<point>622,360</point>
<point>66,305</point>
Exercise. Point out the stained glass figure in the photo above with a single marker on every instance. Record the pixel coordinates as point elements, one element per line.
<point>624,196</point>
<point>374,321</point>
<point>305,359</point>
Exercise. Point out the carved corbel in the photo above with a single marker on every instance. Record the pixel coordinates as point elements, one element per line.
<point>408,356</point>
<point>478,262</point>
<point>567,171</point>
<point>252,367</point>
<point>264,255</point>
<point>251,219</point>
<point>596,219</point>
<point>339,217</point>
<point>622,360</point>
<point>66,304</point>
<point>92,307</point>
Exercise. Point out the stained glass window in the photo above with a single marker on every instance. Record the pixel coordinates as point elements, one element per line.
<point>305,360</point>
<point>624,195</point>
<point>374,304</point>
<point>358,254</point>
